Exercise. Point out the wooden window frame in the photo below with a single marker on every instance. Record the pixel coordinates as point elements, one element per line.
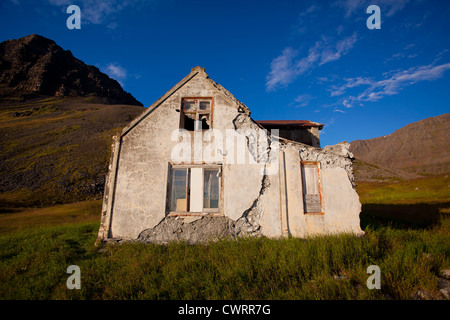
<point>197,112</point>
<point>317,164</point>
<point>205,211</point>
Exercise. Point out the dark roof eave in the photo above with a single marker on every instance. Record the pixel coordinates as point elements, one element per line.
<point>289,123</point>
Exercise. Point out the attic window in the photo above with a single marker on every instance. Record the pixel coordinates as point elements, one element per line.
<point>196,114</point>
<point>312,194</point>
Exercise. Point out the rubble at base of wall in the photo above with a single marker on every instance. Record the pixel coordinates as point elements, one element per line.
<point>203,230</point>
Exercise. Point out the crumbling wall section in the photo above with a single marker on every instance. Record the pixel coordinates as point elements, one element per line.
<point>331,157</point>
<point>206,228</point>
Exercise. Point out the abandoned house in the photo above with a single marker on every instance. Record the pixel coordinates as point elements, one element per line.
<point>195,166</point>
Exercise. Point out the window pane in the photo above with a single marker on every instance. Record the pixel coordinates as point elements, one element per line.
<point>204,105</point>
<point>189,105</point>
<point>179,198</point>
<point>211,189</point>
<point>311,181</point>
<point>311,193</point>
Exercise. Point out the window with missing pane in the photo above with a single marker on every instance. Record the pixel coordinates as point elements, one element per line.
<point>196,114</point>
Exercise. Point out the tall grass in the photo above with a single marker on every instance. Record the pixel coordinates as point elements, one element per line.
<point>37,246</point>
<point>33,266</point>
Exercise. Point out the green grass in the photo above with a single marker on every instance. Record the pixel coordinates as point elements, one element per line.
<point>423,190</point>
<point>37,246</point>
<point>19,219</point>
<point>33,266</point>
<point>57,150</point>
<point>411,203</point>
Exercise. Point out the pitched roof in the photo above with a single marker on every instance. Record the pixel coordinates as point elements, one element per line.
<point>194,71</point>
<point>289,123</point>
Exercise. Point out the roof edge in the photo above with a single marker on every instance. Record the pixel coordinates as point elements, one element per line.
<point>151,108</point>
<point>289,123</point>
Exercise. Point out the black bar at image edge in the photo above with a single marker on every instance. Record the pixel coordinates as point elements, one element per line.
<point>218,309</point>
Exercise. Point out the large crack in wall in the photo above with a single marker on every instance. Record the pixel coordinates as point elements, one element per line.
<point>203,229</point>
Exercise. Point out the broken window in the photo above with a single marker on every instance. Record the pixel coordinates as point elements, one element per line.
<point>196,114</point>
<point>195,189</point>
<point>312,196</point>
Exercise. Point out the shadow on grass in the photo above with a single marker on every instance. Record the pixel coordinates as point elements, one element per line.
<point>402,216</point>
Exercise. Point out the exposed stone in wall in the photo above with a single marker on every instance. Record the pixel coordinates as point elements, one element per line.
<point>263,194</point>
<point>249,222</point>
<point>258,139</point>
<point>208,228</point>
<point>205,229</point>
<point>202,230</point>
<point>259,142</point>
<point>329,157</point>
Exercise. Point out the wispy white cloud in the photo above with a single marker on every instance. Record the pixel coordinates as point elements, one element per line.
<point>282,71</point>
<point>342,47</point>
<point>350,83</point>
<point>392,84</point>
<point>100,11</point>
<point>405,53</point>
<point>303,100</point>
<point>285,68</point>
<point>116,71</point>
<point>389,7</point>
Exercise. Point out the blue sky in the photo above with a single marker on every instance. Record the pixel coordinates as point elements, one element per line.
<point>303,60</point>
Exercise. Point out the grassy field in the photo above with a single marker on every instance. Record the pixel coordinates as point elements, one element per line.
<point>56,150</point>
<point>416,203</point>
<point>409,250</point>
<point>24,219</point>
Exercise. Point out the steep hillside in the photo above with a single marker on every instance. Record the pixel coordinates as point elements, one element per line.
<point>56,150</point>
<point>419,148</point>
<point>57,119</point>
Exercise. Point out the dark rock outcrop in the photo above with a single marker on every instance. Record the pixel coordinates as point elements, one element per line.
<point>36,66</point>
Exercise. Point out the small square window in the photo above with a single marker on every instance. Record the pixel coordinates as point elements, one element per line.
<point>196,114</point>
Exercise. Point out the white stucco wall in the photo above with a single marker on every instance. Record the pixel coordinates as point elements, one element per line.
<point>137,195</point>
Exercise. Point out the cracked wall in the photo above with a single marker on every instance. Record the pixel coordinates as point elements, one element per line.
<point>253,203</point>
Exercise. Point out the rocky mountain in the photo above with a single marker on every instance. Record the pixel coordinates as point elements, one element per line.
<point>57,119</point>
<point>419,148</point>
<point>36,66</point>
